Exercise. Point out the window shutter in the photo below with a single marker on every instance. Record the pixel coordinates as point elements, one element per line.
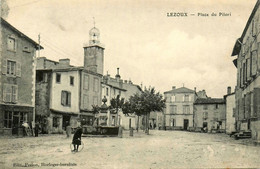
<point>254,27</point>
<point>4,70</point>
<point>247,106</point>
<point>4,93</point>
<point>63,97</point>
<point>257,102</point>
<point>254,63</point>
<point>248,69</point>
<point>254,46</point>
<point>251,104</point>
<point>14,93</point>
<point>69,98</point>
<point>18,69</point>
<point>8,92</point>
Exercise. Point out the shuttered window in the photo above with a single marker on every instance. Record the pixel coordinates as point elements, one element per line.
<point>85,101</point>
<point>96,85</point>
<point>256,103</point>
<point>10,93</point>
<point>95,101</point>
<point>86,82</point>
<point>65,98</point>
<point>248,69</point>
<point>254,63</point>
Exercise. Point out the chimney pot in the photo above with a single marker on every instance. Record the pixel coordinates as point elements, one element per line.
<point>173,87</point>
<point>228,90</point>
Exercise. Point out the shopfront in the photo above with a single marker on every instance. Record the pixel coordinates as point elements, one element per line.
<point>12,118</point>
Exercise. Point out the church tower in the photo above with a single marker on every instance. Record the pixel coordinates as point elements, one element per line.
<point>94,52</point>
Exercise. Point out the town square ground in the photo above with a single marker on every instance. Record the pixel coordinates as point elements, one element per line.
<point>160,149</point>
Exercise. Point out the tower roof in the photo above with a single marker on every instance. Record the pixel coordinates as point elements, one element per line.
<point>94,31</point>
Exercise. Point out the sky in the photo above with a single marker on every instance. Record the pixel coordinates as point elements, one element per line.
<point>149,48</point>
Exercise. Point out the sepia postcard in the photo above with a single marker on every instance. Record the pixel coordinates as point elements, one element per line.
<point>129,84</point>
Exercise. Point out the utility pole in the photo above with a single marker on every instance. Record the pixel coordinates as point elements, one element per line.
<point>39,44</point>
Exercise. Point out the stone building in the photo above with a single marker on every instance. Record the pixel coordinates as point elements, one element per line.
<point>247,92</point>
<point>111,88</point>
<point>65,94</point>
<point>17,78</point>
<point>179,108</point>
<point>230,110</point>
<point>210,113</point>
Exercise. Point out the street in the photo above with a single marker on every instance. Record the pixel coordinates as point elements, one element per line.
<point>160,149</point>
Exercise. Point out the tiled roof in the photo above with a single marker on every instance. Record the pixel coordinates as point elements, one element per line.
<point>209,101</point>
<point>181,90</point>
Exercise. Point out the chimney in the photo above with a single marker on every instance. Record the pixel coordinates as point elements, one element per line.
<point>117,75</point>
<point>194,89</point>
<point>173,87</point>
<point>228,90</point>
<point>64,62</point>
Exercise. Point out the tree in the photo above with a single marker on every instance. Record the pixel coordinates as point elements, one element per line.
<point>149,100</point>
<point>116,104</point>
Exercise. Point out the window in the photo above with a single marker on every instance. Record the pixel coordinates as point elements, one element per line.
<point>172,122</point>
<point>173,98</point>
<point>26,49</point>
<point>96,86</point>
<point>173,109</point>
<point>11,67</point>
<point>85,101</point>
<point>65,98</point>
<point>10,93</point>
<point>107,91</point>
<point>186,98</point>
<point>86,82</point>
<point>11,44</point>
<point>55,122</point>
<point>216,115</point>
<point>216,106</point>
<point>58,77</point>
<point>113,120</point>
<point>186,109</point>
<point>205,107</point>
<point>95,100</point>
<point>71,80</point>
<point>205,115</point>
<point>8,119</point>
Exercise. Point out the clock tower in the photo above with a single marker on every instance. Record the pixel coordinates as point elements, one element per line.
<point>94,52</point>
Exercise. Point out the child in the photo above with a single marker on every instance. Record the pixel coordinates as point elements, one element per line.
<point>76,141</point>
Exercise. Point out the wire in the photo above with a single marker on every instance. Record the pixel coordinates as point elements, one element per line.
<point>60,52</point>
<point>49,42</point>
<point>24,4</point>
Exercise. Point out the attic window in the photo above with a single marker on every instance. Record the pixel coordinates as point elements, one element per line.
<point>26,49</point>
<point>11,43</point>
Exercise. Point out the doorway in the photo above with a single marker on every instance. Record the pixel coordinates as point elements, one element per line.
<point>65,121</point>
<point>185,124</point>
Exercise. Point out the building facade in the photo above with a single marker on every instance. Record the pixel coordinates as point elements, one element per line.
<point>247,93</point>
<point>230,111</point>
<point>210,113</point>
<point>179,108</point>
<point>111,88</point>
<point>66,94</point>
<point>17,78</point>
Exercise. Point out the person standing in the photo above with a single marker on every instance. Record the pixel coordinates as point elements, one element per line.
<point>36,129</point>
<point>76,140</point>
